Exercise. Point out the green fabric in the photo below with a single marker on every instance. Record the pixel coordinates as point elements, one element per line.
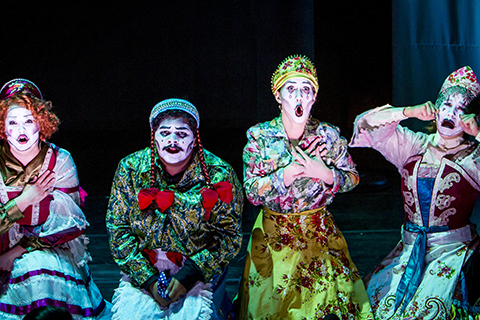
<point>182,227</point>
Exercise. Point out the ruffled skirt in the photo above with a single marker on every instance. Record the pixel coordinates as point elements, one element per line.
<point>50,277</point>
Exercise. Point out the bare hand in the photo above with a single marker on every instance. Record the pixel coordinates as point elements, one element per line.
<point>290,173</point>
<point>176,290</point>
<point>425,111</point>
<point>153,288</point>
<point>469,124</point>
<point>316,144</point>
<point>36,191</point>
<point>313,167</point>
<point>8,258</point>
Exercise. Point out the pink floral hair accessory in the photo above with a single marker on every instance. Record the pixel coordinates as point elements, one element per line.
<point>463,77</point>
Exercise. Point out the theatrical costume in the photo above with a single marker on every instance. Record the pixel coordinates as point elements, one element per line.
<point>54,270</point>
<point>180,234</point>
<point>424,277</point>
<point>298,265</point>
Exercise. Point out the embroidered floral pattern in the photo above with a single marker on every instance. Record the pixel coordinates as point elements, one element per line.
<point>292,231</point>
<point>443,271</point>
<point>463,77</point>
<point>314,268</point>
<point>343,307</point>
<point>316,276</point>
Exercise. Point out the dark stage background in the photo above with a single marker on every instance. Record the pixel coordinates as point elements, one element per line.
<point>105,65</point>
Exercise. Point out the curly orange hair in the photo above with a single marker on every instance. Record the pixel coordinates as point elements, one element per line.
<point>41,110</point>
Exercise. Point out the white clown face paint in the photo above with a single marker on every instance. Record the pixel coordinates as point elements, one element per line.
<point>448,116</point>
<point>21,129</point>
<point>175,140</point>
<point>296,97</point>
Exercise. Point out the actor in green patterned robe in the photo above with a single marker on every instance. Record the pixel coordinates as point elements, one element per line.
<point>175,209</point>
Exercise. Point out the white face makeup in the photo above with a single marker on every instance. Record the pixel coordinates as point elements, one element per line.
<point>448,116</point>
<point>175,140</point>
<point>296,97</point>
<point>21,129</point>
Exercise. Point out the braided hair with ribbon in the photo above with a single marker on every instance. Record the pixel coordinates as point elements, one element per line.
<point>178,108</point>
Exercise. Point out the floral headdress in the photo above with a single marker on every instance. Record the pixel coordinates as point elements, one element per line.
<point>18,85</point>
<point>461,81</point>
<point>294,66</point>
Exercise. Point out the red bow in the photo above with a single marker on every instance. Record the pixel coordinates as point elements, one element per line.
<point>151,255</point>
<point>222,190</point>
<point>175,257</point>
<point>163,199</point>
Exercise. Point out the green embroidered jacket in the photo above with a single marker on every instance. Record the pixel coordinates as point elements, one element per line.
<point>182,227</point>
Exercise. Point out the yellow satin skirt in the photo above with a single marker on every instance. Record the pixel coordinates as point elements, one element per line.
<point>298,267</point>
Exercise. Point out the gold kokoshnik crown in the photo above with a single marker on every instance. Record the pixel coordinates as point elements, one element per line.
<point>292,67</point>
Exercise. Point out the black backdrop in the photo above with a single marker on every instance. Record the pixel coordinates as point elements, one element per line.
<point>106,64</point>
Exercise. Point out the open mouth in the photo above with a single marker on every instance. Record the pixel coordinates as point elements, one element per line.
<point>173,149</point>
<point>448,124</point>
<point>299,110</point>
<point>22,139</point>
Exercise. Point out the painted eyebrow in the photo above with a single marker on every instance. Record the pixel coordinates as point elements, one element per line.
<point>292,82</point>
<point>169,127</point>
<point>25,116</point>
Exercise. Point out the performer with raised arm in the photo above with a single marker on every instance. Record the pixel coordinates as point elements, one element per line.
<point>431,273</point>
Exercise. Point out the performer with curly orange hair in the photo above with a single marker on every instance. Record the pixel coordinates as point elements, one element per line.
<point>41,111</point>
<point>298,265</point>
<point>43,257</point>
